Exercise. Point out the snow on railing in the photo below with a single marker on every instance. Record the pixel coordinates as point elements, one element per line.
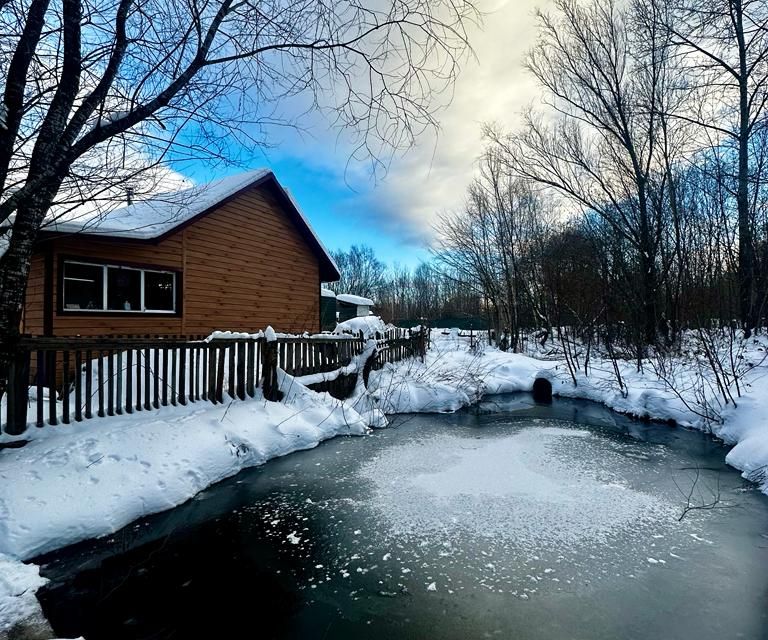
<point>63,379</point>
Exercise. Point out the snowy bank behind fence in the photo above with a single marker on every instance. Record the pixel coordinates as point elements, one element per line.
<point>57,380</point>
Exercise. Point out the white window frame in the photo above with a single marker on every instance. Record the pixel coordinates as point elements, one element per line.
<point>104,285</point>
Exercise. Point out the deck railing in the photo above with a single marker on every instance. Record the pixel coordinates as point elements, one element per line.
<point>57,380</point>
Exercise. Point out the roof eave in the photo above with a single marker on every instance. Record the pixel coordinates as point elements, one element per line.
<point>328,271</point>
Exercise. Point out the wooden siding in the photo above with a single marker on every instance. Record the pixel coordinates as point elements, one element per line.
<point>244,266</point>
<point>32,315</point>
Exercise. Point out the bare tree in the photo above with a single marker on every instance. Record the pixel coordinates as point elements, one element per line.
<point>495,242</point>
<point>362,273</point>
<point>601,148</point>
<point>725,47</point>
<point>101,90</point>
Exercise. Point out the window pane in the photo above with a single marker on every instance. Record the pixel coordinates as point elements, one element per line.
<point>158,291</point>
<point>123,289</point>
<point>83,286</point>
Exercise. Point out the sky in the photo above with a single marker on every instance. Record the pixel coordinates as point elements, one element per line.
<point>395,214</point>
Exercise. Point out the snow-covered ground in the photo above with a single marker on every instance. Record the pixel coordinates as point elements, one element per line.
<point>18,584</point>
<point>90,479</point>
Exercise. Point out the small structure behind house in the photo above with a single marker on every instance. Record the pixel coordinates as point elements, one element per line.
<point>327,309</point>
<point>349,306</point>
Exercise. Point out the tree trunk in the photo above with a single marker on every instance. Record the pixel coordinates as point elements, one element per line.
<point>746,249</point>
<point>14,272</point>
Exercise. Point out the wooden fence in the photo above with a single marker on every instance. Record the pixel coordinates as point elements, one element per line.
<point>63,379</point>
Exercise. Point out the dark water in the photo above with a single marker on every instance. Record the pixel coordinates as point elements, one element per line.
<point>511,521</point>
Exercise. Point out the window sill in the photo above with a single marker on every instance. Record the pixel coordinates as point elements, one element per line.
<point>116,312</point>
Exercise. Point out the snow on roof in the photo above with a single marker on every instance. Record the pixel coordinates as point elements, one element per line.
<point>151,218</point>
<point>327,293</point>
<point>162,213</point>
<point>358,300</point>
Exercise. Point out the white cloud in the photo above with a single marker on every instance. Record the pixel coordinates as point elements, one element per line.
<point>433,176</point>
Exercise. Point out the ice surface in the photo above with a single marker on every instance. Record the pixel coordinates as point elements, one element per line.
<point>513,488</point>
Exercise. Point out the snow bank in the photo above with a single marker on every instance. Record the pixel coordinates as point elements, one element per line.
<point>369,325</point>
<point>18,584</point>
<point>90,480</point>
<point>361,399</point>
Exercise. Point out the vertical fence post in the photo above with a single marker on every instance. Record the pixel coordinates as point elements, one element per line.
<point>147,379</point>
<point>128,381</point>
<point>110,383</point>
<point>250,366</point>
<point>240,386</point>
<point>89,383</point>
<point>174,373</point>
<point>192,372</point>
<point>119,382</point>
<point>221,362</point>
<point>18,392</point>
<point>40,375</point>
<point>369,363</point>
<point>51,370</point>
<point>100,390</point>
<point>211,373</point>
<point>156,378</point>
<point>65,387</point>
<point>257,362</point>
<point>269,370</point>
<point>138,378</point>
<point>183,375</point>
<point>79,386</point>
<point>205,357</point>
<point>231,370</point>
<point>164,400</point>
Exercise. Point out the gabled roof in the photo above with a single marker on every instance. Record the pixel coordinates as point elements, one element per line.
<point>358,300</point>
<point>155,219</point>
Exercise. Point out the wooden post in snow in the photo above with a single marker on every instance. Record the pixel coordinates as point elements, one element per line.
<point>17,394</point>
<point>422,342</point>
<point>368,366</point>
<point>269,371</point>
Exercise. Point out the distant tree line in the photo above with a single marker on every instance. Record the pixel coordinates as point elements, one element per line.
<point>406,296</point>
<point>636,204</point>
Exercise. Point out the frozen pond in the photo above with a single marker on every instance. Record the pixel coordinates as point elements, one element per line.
<point>511,521</point>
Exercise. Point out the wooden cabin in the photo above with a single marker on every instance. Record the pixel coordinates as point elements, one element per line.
<point>236,254</point>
